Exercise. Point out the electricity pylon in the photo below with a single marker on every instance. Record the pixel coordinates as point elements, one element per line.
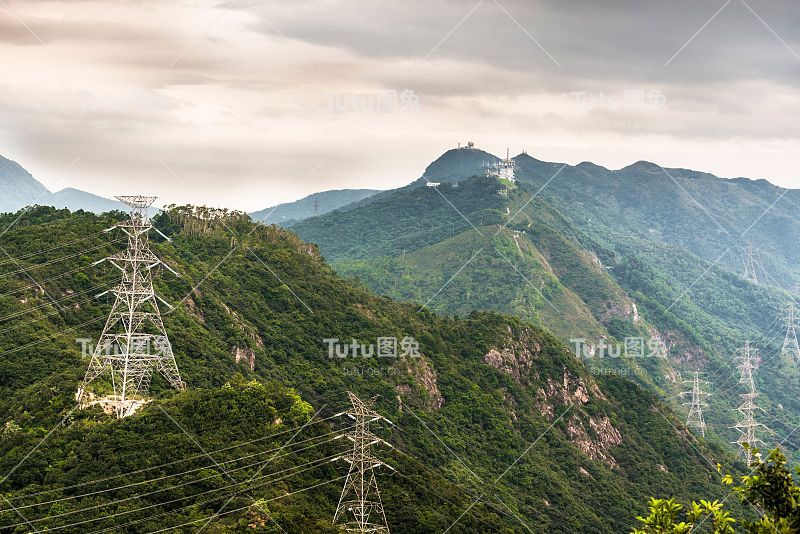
<point>360,496</point>
<point>134,340</point>
<point>695,419</point>
<point>748,257</point>
<point>790,345</point>
<point>747,425</point>
<point>316,207</point>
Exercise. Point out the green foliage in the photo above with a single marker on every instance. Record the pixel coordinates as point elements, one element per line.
<point>665,513</point>
<point>263,289</point>
<point>769,492</point>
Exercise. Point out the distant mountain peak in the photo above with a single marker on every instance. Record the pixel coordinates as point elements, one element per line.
<point>18,188</point>
<point>457,164</point>
<point>643,166</point>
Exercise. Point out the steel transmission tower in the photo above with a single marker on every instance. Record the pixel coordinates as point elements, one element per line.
<point>695,419</point>
<point>747,425</point>
<point>748,257</point>
<point>790,345</point>
<point>316,207</point>
<point>360,496</point>
<point>134,340</point>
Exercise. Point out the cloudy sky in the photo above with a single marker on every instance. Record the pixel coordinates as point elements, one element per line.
<point>246,104</point>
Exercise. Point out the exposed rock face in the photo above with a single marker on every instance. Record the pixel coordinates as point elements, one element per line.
<point>593,435</point>
<point>594,439</point>
<point>512,404</point>
<point>623,308</point>
<point>680,351</point>
<point>568,390</point>
<point>194,310</point>
<point>516,357</point>
<point>246,356</point>
<point>425,377</point>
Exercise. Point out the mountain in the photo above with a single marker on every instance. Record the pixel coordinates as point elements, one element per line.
<point>75,199</point>
<point>323,202</point>
<point>457,163</point>
<point>497,426</point>
<point>593,253</point>
<point>18,189</point>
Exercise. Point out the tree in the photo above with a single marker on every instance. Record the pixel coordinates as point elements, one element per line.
<point>769,488</point>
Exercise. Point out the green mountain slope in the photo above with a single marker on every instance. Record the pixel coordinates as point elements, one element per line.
<point>638,247</point>
<point>490,399</point>
<point>433,233</point>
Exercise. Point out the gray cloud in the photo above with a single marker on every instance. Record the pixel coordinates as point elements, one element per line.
<point>243,93</point>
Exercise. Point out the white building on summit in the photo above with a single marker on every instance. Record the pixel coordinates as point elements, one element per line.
<point>503,169</point>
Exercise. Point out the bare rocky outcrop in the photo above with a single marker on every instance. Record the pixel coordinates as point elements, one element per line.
<point>621,308</point>
<point>194,310</point>
<point>594,436</point>
<point>570,389</point>
<point>245,356</point>
<point>424,375</point>
<point>516,357</point>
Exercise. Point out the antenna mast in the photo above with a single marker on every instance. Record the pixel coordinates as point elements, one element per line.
<point>360,496</point>
<point>134,340</point>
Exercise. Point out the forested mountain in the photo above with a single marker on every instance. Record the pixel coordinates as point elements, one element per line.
<point>498,427</point>
<point>19,189</point>
<point>289,213</point>
<point>586,251</point>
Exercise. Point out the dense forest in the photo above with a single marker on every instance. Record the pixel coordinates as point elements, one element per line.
<point>496,417</point>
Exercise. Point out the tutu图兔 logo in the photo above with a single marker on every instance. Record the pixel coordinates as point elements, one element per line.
<point>384,347</point>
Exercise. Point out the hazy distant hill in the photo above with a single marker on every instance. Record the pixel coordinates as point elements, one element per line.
<point>290,212</point>
<point>18,188</point>
<point>75,199</point>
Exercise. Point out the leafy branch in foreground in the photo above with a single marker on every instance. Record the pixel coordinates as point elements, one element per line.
<point>769,488</point>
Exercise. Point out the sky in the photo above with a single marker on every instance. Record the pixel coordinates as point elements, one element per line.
<point>247,104</point>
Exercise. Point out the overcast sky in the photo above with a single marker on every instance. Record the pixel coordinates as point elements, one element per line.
<point>246,104</point>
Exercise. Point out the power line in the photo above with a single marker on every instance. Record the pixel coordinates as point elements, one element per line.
<point>148,507</point>
<point>176,486</point>
<point>172,475</point>
<point>50,262</point>
<point>43,282</point>
<point>43,251</point>
<point>47,304</point>
<point>241,508</point>
<point>181,460</point>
